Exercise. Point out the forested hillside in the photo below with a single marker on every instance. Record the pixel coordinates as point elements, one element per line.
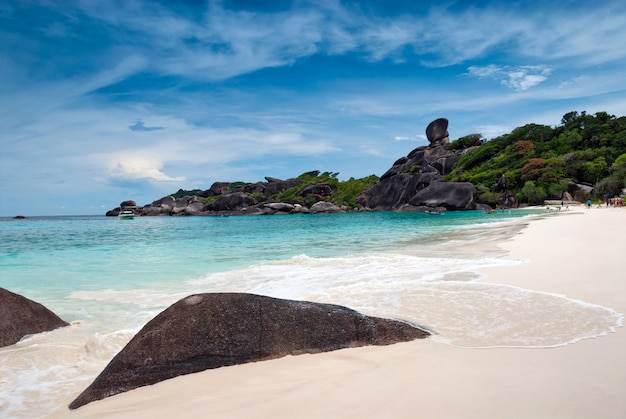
<point>542,162</point>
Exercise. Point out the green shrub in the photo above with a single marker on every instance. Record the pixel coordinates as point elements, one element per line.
<point>532,193</point>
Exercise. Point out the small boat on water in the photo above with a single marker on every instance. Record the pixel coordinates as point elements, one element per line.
<point>126,215</point>
<point>434,212</point>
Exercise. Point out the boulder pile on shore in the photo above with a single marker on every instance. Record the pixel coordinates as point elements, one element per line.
<point>413,183</point>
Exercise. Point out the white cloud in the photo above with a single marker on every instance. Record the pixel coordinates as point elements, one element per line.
<point>571,82</point>
<point>491,131</point>
<point>517,78</point>
<point>134,169</point>
<point>409,137</point>
<point>490,70</point>
<point>371,149</point>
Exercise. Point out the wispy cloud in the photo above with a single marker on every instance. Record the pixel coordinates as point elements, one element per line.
<point>371,149</point>
<point>491,131</point>
<point>225,43</point>
<point>409,137</point>
<point>516,78</point>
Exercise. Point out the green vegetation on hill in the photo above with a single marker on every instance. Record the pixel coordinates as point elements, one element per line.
<point>183,192</point>
<point>542,162</point>
<point>344,193</point>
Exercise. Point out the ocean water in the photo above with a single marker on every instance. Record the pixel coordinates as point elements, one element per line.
<point>108,277</point>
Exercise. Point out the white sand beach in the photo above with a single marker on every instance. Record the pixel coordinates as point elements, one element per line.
<point>580,253</point>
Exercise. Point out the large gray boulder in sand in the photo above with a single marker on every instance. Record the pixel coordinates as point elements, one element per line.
<point>20,316</point>
<point>207,331</point>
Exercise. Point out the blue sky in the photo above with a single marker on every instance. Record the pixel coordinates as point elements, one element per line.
<point>103,101</point>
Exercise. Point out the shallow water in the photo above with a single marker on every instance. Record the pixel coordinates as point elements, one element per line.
<point>109,277</point>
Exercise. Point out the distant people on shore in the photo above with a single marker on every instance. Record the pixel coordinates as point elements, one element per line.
<point>615,202</point>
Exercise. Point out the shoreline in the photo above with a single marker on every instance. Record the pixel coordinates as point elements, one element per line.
<point>576,253</point>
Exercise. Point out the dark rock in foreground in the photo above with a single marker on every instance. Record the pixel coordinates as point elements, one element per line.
<point>207,331</point>
<point>20,316</point>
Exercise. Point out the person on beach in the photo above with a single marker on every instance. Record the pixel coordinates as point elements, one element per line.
<point>589,203</point>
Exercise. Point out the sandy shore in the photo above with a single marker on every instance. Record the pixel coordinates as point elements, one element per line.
<point>580,253</point>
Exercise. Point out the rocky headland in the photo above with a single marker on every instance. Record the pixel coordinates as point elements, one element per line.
<point>413,183</point>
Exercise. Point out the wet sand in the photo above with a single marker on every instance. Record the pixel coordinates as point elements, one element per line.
<point>578,253</point>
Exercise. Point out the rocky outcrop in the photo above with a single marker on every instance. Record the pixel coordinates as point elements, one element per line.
<point>194,208</point>
<point>323,207</point>
<point>500,185</point>
<point>20,316</point>
<point>437,132</point>
<point>280,207</point>
<point>275,186</point>
<point>218,188</point>
<point>231,202</point>
<point>207,331</point>
<point>448,195</point>
<point>318,191</point>
<point>128,204</point>
<point>416,180</point>
<point>413,183</point>
<point>229,199</point>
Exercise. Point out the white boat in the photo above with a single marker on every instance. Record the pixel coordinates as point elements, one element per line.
<point>126,215</point>
<point>433,212</point>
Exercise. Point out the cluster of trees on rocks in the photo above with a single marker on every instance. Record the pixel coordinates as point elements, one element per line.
<point>584,157</point>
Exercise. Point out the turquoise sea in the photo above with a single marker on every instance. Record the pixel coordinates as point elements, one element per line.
<point>108,277</point>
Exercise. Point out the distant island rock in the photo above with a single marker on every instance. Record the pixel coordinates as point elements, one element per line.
<point>206,331</point>
<point>20,317</point>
